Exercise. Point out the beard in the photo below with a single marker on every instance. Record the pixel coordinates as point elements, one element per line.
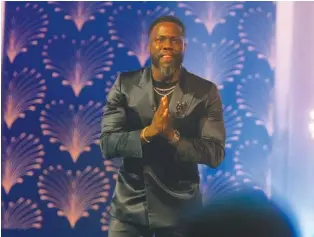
<point>169,68</point>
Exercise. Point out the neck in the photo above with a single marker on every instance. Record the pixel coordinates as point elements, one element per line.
<point>158,76</point>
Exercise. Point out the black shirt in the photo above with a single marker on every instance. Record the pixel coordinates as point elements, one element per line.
<point>164,86</point>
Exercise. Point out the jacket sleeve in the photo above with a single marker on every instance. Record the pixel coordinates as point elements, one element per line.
<point>208,148</point>
<point>115,139</point>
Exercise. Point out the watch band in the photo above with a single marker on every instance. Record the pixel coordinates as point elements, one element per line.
<point>176,137</point>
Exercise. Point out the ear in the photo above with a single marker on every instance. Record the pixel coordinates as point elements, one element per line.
<point>148,46</point>
<point>184,46</point>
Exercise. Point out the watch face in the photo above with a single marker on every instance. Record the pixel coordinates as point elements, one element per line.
<point>177,134</point>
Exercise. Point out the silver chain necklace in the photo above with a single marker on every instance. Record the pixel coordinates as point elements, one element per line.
<point>165,92</point>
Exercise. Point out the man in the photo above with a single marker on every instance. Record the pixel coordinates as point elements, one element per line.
<point>163,121</point>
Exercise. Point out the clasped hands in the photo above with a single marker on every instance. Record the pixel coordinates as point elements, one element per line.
<point>161,123</point>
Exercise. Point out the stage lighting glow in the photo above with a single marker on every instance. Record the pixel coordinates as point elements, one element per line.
<point>311,124</point>
<point>306,224</point>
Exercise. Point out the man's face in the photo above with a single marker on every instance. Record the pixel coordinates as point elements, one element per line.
<point>166,47</point>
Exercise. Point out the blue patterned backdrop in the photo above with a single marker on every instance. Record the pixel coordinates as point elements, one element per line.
<point>61,58</point>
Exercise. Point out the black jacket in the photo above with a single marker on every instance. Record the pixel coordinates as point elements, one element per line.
<point>158,180</point>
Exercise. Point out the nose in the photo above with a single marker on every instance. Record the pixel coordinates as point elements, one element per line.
<point>167,44</point>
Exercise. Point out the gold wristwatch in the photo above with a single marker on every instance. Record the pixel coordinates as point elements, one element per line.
<point>176,137</point>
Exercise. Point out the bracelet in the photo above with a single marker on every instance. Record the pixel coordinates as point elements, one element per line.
<point>143,135</point>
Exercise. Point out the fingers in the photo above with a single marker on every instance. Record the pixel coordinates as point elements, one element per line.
<point>164,102</point>
<point>165,114</point>
<point>164,99</point>
<point>163,105</point>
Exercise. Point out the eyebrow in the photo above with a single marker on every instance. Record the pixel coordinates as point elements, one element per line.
<point>171,36</point>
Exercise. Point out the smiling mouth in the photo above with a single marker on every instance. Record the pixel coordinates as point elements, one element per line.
<point>166,54</point>
<point>166,57</point>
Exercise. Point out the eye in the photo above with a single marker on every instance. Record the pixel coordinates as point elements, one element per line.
<point>160,39</point>
<point>177,40</point>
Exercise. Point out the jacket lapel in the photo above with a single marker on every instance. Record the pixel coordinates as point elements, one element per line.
<point>143,97</point>
<point>182,97</point>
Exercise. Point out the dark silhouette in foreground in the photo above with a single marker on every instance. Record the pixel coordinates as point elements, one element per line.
<point>245,214</point>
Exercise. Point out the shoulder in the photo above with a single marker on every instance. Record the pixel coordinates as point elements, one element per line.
<point>132,73</point>
<point>204,90</point>
<point>199,84</point>
<point>130,77</point>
